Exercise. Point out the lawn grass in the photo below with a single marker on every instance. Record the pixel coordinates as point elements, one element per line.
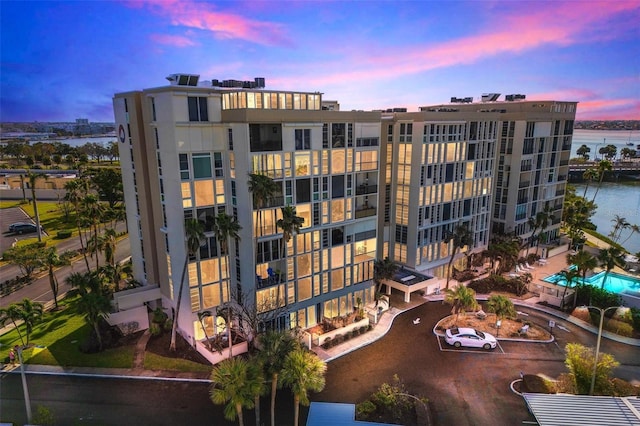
<point>57,340</point>
<point>156,362</point>
<point>7,204</point>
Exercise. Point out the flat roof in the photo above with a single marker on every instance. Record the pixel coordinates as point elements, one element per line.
<point>583,410</point>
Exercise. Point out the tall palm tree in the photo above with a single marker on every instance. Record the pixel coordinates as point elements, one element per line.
<point>234,384</point>
<point>52,260</point>
<point>274,347</point>
<point>569,277</point>
<point>75,191</point>
<point>303,371</point>
<point>603,167</point>
<point>226,226</point>
<point>619,224</point>
<point>502,306</point>
<point>461,298</point>
<point>460,237</point>
<point>108,242</point>
<point>33,177</point>
<point>609,258</point>
<point>263,189</point>
<point>194,234</point>
<point>92,210</point>
<point>256,373</point>
<point>634,228</point>
<point>290,223</point>
<point>584,262</point>
<point>589,175</point>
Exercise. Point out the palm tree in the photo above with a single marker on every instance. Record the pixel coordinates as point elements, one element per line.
<point>461,298</point>
<point>93,302</point>
<point>502,306</point>
<point>290,225</point>
<point>603,166</point>
<point>461,237</point>
<point>201,317</point>
<point>274,347</point>
<point>92,210</point>
<point>30,313</point>
<point>589,175</point>
<point>75,191</point>
<point>263,189</point>
<point>634,228</point>
<point>568,276</point>
<point>52,260</point>
<point>619,224</point>
<point>108,242</point>
<point>194,234</point>
<point>225,227</point>
<point>383,269</point>
<point>234,383</point>
<point>584,262</point>
<point>33,177</point>
<point>303,371</point>
<point>258,388</point>
<point>13,313</point>
<point>609,258</point>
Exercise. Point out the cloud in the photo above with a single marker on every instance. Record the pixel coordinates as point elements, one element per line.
<point>517,31</point>
<point>173,40</point>
<point>224,26</point>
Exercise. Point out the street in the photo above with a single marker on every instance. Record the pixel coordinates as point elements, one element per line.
<point>464,387</point>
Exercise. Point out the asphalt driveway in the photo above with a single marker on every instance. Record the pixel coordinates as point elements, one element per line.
<point>465,387</point>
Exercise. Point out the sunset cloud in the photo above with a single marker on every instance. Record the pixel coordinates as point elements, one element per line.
<point>173,40</point>
<point>222,25</point>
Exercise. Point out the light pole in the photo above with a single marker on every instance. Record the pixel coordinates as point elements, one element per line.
<point>597,145</point>
<point>595,360</point>
<point>27,401</point>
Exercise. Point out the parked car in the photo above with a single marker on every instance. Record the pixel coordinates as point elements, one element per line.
<point>469,337</point>
<point>13,226</point>
<point>24,228</point>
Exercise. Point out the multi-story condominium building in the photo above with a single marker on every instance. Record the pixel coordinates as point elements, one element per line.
<point>478,165</point>
<point>366,185</point>
<point>188,151</point>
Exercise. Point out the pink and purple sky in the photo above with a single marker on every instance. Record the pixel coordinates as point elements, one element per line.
<point>65,60</point>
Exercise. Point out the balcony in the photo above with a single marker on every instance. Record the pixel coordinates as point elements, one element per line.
<point>366,189</point>
<point>365,212</point>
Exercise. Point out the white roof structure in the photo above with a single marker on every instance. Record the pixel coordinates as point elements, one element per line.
<point>583,410</point>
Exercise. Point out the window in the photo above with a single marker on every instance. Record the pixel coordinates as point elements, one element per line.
<point>338,135</point>
<point>201,166</point>
<point>217,164</point>
<point>230,138</point>
<point>198,110</point>
<point>184,166</point>
<point>303,139</point>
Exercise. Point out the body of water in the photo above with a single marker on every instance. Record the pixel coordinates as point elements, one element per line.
<point>616,199</point>
<point>596,139</point>
<point>76,142</point>
<point>615,283</point>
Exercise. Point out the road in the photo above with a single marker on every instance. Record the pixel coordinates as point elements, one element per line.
<point>40,290</point>
<point>464,387</point>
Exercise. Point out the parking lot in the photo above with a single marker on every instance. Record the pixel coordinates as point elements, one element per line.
<point>9,216</point>
<point>464,386</point>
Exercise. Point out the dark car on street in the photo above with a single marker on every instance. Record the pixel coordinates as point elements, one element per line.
<point>23,228</point>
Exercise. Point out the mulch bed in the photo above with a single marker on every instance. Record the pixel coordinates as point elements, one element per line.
<point>159,345</point>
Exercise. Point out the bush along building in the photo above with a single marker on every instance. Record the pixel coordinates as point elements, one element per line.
<point>294,200</point>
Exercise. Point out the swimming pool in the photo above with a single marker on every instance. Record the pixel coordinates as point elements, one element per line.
<point>616,283</point>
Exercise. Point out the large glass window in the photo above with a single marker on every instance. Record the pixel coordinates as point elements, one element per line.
<point>201,165</point>
<point>303,139</point>
<point>184,166</point>
<point>198,110</point>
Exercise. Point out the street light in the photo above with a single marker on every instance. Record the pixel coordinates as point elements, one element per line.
<point>595,360</point>
<point>27,400</point>
<point>597,145</point>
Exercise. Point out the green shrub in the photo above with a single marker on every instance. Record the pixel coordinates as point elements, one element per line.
<point>327,343</point>
<point>364,410</point>
<point>364,328</point>
<point>620,328</point>
<point>43,416</point>
<point>348,335</point>
<point>155,329</point>
<point>635,318</point>
<point>61,235</point>
<point>624,388</point>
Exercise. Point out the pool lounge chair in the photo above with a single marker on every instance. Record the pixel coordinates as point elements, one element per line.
<point>529,266</point>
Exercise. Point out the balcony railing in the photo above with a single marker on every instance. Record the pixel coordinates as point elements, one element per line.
<point>365,212</point>
<point>366,189</point>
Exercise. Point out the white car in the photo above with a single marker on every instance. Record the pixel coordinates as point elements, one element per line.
<point>469,337</point>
